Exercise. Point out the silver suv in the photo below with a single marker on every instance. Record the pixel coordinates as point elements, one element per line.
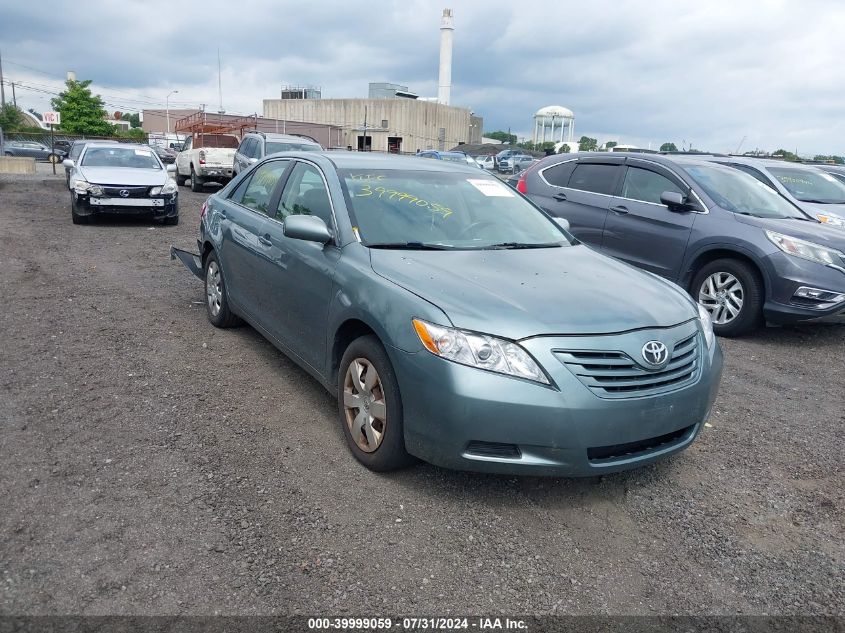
<point>257,145</point>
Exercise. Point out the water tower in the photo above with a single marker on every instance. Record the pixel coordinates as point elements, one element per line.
<point>554,123</point>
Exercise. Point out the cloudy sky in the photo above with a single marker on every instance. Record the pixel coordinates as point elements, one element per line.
<point>707,73</point>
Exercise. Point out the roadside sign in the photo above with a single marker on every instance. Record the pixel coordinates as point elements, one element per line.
<point>51,118</point>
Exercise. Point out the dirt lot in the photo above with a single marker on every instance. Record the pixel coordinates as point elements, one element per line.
<point>152,464</point>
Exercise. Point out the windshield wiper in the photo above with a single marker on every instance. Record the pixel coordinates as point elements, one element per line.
<point>410,246</point>
<point>514,245</point>
<point>817,201</point>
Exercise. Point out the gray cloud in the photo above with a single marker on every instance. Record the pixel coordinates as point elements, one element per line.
<point>632,70</point>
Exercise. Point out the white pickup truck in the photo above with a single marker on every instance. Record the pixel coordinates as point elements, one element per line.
<point>206,157</point>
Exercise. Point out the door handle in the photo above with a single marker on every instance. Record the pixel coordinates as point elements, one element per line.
<point>221,213</point>
<point>620,210</point>
<point>265,239</point>
<point>559,196</point>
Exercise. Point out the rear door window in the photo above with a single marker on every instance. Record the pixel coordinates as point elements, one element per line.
<point>594,177</point>
<point>559,175</point>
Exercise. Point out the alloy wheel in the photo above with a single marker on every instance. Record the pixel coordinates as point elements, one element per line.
<point>364,405</point>
<point>722,295</point>
<point>213,288</point>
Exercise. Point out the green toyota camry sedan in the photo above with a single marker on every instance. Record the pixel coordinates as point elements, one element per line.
<point>455,321</point>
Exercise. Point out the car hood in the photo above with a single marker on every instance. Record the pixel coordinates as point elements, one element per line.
<point>834,209</point>
<point>123,176</point>
<point>533,292</point>
<point>830,236</point>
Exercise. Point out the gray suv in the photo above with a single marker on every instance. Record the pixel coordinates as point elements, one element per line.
<point>257,145</point>
<point>742,250</point>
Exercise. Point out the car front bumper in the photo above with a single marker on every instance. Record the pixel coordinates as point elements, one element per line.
<point>787,274</point>
<point>155,206</point>
<point>465,418</point>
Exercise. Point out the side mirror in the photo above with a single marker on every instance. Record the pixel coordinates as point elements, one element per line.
<point>68,163</point>
<point>307,227</point>
<point>171,168</point>
<point>563,223</point>
<point>252,161</point>
<point>674,200</point>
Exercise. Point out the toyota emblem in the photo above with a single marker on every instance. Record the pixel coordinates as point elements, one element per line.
<point>655,353</point>
<point>124,193</point>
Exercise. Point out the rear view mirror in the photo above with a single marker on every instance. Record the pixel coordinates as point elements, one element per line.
<point>68,163</point>
<point>563,223</point>
<point>307,227</point>
<point>674,200</point>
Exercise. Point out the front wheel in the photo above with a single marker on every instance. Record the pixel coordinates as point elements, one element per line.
<point>732,292</point>
<point>217,303</point>
<point>180,180</point>
<point>78,218</point>
<point>370,406</point>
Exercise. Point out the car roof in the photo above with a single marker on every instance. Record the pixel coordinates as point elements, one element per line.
<point>292,138</point>
<point>373,160</point>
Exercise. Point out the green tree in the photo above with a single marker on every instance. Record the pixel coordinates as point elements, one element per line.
<point>668,147</point>
<point>587,144</point>
<point>786,155</point>
<point>134,119</point>
<point>564,149</point>
<point>82,112</point>
<point>502,136</point>
<point>11,118</point>
<point>529,145</point>
<point>610,145</point>
<point>838,160</point>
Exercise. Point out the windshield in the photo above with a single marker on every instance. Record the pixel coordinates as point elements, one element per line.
<point>225,141</point>
<point>120,157</point>
<point>453,158</point>
<point>443,209</point>
<point>810,185</point>
<point>272,148</point>
<point>741,193</point>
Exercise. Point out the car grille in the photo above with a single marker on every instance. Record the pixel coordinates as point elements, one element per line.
<point>612,374</point>
<point>134,192</point>
<point>494,449</point>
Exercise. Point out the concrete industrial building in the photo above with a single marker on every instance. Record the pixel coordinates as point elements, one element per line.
<point>155,122</point>
<point>392,119</point>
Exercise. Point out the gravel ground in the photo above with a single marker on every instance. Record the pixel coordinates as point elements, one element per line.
<point>150,463</point>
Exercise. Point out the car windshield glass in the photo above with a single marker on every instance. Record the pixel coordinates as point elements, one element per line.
<point>454,158</point>
<point>216,140</point>
<point>741,193</point>
<point>273,147</point>
<point>138,158</point>
<point>444,209</point>
<point>810,185</point>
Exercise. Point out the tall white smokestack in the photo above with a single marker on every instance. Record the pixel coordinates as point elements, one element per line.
<point>445,84</point>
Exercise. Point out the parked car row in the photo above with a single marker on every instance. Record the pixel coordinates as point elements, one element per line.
<point>452,157</point>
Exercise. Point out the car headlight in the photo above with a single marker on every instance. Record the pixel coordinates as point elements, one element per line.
<point>830,219</point>
<point>479,350</point>
<point>83,187</point>
<point>706,325</point>
<point>168,188</point>
<point>807,250</point>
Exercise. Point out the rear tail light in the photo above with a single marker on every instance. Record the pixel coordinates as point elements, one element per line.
<point>202,157</point>
<point>203,209</point>
<point>521,187</point>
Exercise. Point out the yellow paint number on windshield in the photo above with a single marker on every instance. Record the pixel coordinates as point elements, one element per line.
<point>402,196</point>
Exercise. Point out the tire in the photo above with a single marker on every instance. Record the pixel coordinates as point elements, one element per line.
<point>719,284</point>
<point>382,452</point>
<point>196,183</point>
<point>216,301</point>
<point>53,159</point>
<point>77,217</point>
<point>180,180</point>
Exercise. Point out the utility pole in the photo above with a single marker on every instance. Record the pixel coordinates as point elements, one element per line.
<point>2,89</point>
<point>14,98</point>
